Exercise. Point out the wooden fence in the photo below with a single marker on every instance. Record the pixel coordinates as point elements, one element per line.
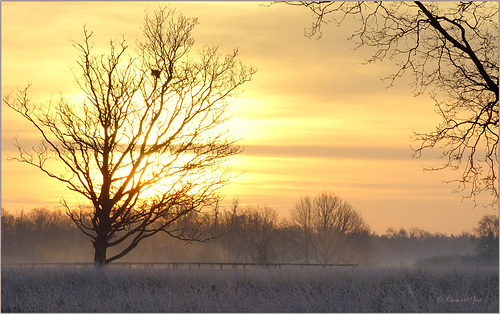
<point>181,265</point>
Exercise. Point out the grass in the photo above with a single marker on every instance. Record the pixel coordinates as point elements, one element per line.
<point>259,290</point>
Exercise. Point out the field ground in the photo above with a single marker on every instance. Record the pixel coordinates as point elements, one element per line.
<point>253,290</point>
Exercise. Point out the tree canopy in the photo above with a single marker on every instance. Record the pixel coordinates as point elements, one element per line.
<point>146,144</point>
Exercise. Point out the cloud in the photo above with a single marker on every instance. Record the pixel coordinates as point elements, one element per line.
<point>335,152</point>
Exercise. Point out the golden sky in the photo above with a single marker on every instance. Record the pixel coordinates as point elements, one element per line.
<point>312,119</point>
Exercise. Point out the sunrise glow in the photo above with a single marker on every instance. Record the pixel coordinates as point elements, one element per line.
<point>312,119</point>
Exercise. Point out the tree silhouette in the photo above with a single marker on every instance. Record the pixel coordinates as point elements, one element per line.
<point>146,146</point>
<point>331,230</point>
<point>262,236</point>
<point>487,232</point>
<point>451,50</point>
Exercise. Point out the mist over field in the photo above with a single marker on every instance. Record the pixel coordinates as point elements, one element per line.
<point>400,271</point>
<point>44,236</point>
<point>265,264</point>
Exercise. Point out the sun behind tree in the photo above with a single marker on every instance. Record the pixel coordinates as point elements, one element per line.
<point>150,122</point>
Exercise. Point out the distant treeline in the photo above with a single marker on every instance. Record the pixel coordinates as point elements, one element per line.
<point>252,234</point>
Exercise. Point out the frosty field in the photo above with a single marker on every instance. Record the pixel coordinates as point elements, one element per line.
<point>258,290</point>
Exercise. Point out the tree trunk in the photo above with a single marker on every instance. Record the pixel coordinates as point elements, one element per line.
<point>100,246</point>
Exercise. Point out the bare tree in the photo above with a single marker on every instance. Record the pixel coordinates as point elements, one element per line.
<point>330,227</point>
<point>487,232</point>
<point>262,237</point>
<point>451,50</point>
<point>233,224</point>
<point>302,216</point>
<point>146,145</point>
<point>250,234</point>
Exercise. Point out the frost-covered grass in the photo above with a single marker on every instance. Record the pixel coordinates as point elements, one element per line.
<point>257,290</point>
